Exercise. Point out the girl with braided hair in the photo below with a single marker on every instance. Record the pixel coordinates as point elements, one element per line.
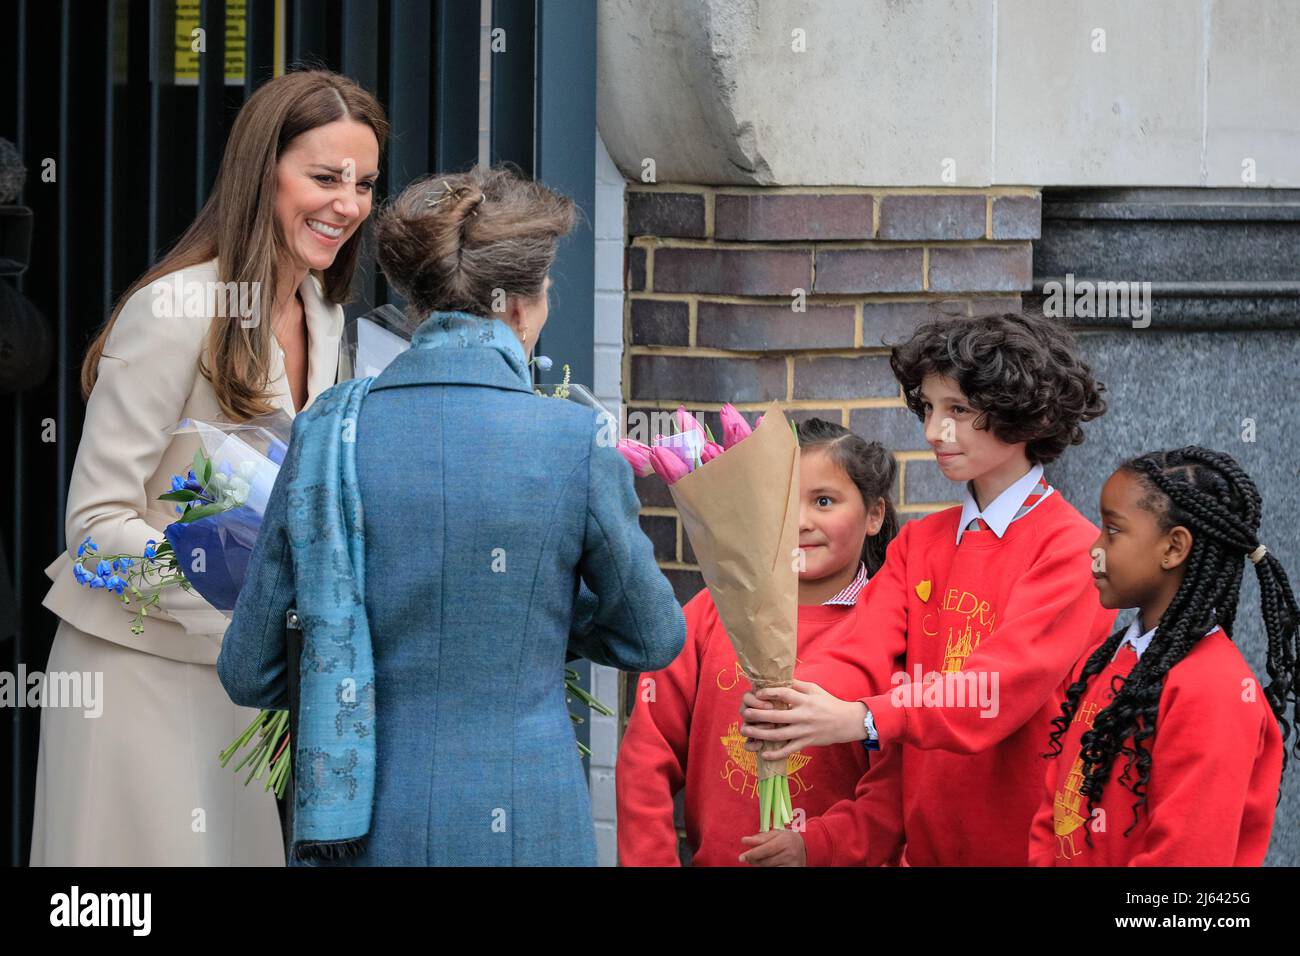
<point>1166,752</point>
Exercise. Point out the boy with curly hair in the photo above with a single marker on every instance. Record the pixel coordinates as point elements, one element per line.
<point>987,605</point>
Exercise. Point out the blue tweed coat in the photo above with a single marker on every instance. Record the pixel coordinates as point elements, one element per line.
<point>500,534</point>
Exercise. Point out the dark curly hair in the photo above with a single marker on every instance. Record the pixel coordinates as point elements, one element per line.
<point>1208,493</point>
<point>1021,372</point>
<point>870,466</point>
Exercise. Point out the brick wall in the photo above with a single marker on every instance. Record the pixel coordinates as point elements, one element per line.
<point>712,315</point>
<point>711,312</point>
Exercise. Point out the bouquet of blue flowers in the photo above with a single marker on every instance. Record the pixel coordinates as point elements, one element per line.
<point>220,502</point>
<point>219,517</point>
<point>219,505</point>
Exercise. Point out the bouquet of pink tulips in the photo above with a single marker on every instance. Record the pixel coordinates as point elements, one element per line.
<point>676,455</point>
<point>739,504</point>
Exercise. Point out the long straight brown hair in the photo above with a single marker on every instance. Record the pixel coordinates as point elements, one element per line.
<point>238,227</point>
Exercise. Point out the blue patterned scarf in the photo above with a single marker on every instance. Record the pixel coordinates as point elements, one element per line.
<point>334,757</point>
<point>443,330</point>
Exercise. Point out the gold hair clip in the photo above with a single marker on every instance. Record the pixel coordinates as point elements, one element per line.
<point>430,201</point>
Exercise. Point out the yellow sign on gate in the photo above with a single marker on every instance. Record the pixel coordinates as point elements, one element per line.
<point>191,42</point>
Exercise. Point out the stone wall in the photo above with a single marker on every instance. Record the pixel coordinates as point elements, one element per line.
<point>952,92</point>
<point>1215,363</point>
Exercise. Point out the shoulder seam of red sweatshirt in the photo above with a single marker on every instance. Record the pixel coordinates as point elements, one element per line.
<point>707,598</point>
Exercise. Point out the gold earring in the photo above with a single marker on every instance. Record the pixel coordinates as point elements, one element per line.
<point>523,333</point>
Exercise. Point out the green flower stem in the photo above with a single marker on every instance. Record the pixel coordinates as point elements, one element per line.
<point>775,810</point>
<point>570,685</point>
<point>271,749</point>
<point>241,740</point>
<point>251,755</point>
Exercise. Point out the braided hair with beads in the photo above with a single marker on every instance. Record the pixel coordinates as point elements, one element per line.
<point>1208,493</point>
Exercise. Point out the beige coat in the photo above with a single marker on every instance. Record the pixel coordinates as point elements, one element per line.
<point>141,783</point>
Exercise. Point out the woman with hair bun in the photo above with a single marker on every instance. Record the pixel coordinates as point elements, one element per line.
<point>448,538</point>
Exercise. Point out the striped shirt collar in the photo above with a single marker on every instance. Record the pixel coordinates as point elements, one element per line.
<point>849,596</point>
<point>1006,507</point>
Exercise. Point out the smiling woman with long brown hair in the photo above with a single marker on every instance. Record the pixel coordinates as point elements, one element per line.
<point>241,317</point>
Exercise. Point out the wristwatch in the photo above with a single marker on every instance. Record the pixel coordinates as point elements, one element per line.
<point>873,739</point>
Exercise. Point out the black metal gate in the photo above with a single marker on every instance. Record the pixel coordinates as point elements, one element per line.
<point>122,140</point>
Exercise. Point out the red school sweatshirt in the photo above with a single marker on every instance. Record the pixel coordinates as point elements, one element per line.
<point>1216,765</point>
<point>685,731</point>
<point>958,778</point>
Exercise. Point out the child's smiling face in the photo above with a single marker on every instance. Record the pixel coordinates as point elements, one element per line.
<point>963,451</point>
<point>833,520</point>
<point>1135,563</point>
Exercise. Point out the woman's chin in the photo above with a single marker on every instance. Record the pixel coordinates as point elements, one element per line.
<point>317,256</point>
<point>321,261</point>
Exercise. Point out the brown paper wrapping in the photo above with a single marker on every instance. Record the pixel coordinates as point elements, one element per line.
<point>741,512</point>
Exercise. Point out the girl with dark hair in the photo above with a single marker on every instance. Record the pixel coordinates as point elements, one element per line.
<point>1172,751</point>
<point>871,469</point>
<point>684,731</point>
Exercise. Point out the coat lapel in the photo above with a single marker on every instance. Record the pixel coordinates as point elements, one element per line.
<point>324,332</point>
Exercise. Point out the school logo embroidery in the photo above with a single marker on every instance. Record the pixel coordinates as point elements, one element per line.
<point>923,590</point>
<point>1068,805</point>
<point>741,767</point>
<point>729,678</point>
<point>965,636</point>
<point>1086,713</point>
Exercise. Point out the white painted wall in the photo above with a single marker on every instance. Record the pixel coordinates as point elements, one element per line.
<point>1003,92</point>
<point>607,221</point>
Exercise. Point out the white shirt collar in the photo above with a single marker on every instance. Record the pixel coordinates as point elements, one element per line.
<point>1135,636</point>
<point>1141,640</point>
<point>1002,510</point>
